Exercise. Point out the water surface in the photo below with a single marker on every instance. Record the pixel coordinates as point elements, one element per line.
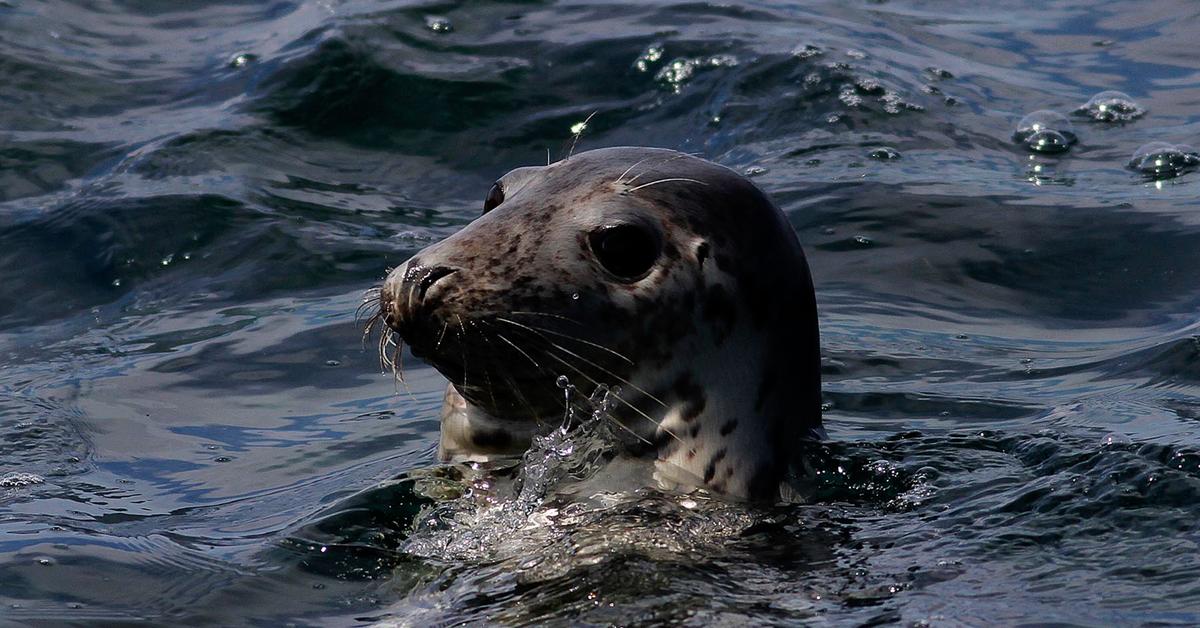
<point>194,196</point>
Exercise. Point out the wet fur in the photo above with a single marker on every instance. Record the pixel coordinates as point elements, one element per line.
<point>716,349</point>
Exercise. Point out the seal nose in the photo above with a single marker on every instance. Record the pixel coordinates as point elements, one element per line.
<point>421,278</point>
<point>405,290</point>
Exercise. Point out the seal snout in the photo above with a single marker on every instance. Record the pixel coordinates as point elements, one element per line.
<point>405,293</point>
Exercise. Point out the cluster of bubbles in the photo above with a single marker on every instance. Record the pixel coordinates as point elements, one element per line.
<point>1050,132</point>
<point>17,479</point>
<point>678,72</point>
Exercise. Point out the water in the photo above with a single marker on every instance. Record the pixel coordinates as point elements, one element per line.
<point>192,201</point>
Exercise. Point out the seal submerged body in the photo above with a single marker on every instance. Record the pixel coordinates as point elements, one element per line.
<point>666,275</point>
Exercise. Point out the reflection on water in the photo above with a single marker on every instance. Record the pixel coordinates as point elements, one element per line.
<point>193,200</point>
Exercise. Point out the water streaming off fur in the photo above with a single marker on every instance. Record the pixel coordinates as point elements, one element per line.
<point>194,198</point>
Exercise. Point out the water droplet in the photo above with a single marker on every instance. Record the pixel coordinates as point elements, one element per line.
<point>562,382</point>
<point>829,231</point>
<point>1111,106</point>
<point>1045,131</point>
<point>961,337</point>
<point>856,54</point>
<point>166,261</point>
<point>46,562</point>
<point>884,153</point>
<point>332,363</point>
<point>222,459</point>
<point>1115,439</point>
<point>754,171</point>
<point>827,406</point>
<point>438,24</point>
<point>574,296</point>
<point>863,240</point>
<point>1160,160</point>
<point>242,59</point>
<point>812,162</point>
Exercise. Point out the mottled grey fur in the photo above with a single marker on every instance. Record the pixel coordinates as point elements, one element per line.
<point>716,348</point>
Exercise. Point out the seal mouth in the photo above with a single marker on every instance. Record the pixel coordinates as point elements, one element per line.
<point>507,364</point>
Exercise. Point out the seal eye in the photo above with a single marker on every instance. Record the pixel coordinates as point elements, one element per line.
<point>495,196</point>
<point>626,251</point>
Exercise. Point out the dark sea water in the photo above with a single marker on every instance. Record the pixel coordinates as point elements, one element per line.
<point>194,197</point>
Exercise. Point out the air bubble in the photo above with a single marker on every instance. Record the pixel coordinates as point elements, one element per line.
<point>1111,106</point>
<point>242,59</point>
<point>574,296</point>
<point>438,24</point>
<point>1045,132</point>
<point>562,382</point>
<point>884,153</point>
<point>1160,160</point>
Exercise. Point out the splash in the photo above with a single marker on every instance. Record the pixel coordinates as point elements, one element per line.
<point>478,524</point>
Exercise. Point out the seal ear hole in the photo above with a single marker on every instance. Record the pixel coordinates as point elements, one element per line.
<point>627,251</point>
<point>702,253</point>
<point>495,196</point>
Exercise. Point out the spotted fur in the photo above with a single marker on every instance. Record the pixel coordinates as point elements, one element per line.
<point>716,347</point>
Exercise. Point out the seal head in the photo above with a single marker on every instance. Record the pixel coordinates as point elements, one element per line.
<point>649,269</point>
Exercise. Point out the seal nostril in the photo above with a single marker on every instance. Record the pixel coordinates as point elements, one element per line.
<point>432,276</point>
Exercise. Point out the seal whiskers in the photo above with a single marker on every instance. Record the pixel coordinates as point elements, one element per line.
<point>695,298</point>
<point>668,180</point>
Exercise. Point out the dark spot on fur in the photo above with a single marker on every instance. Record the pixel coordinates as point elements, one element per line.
<point>694,431</point>
<point>728,427</point>
<point>692,395</point>
<point>710,470</point>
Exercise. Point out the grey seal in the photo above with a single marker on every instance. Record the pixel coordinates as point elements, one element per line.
<point>669,276</point>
